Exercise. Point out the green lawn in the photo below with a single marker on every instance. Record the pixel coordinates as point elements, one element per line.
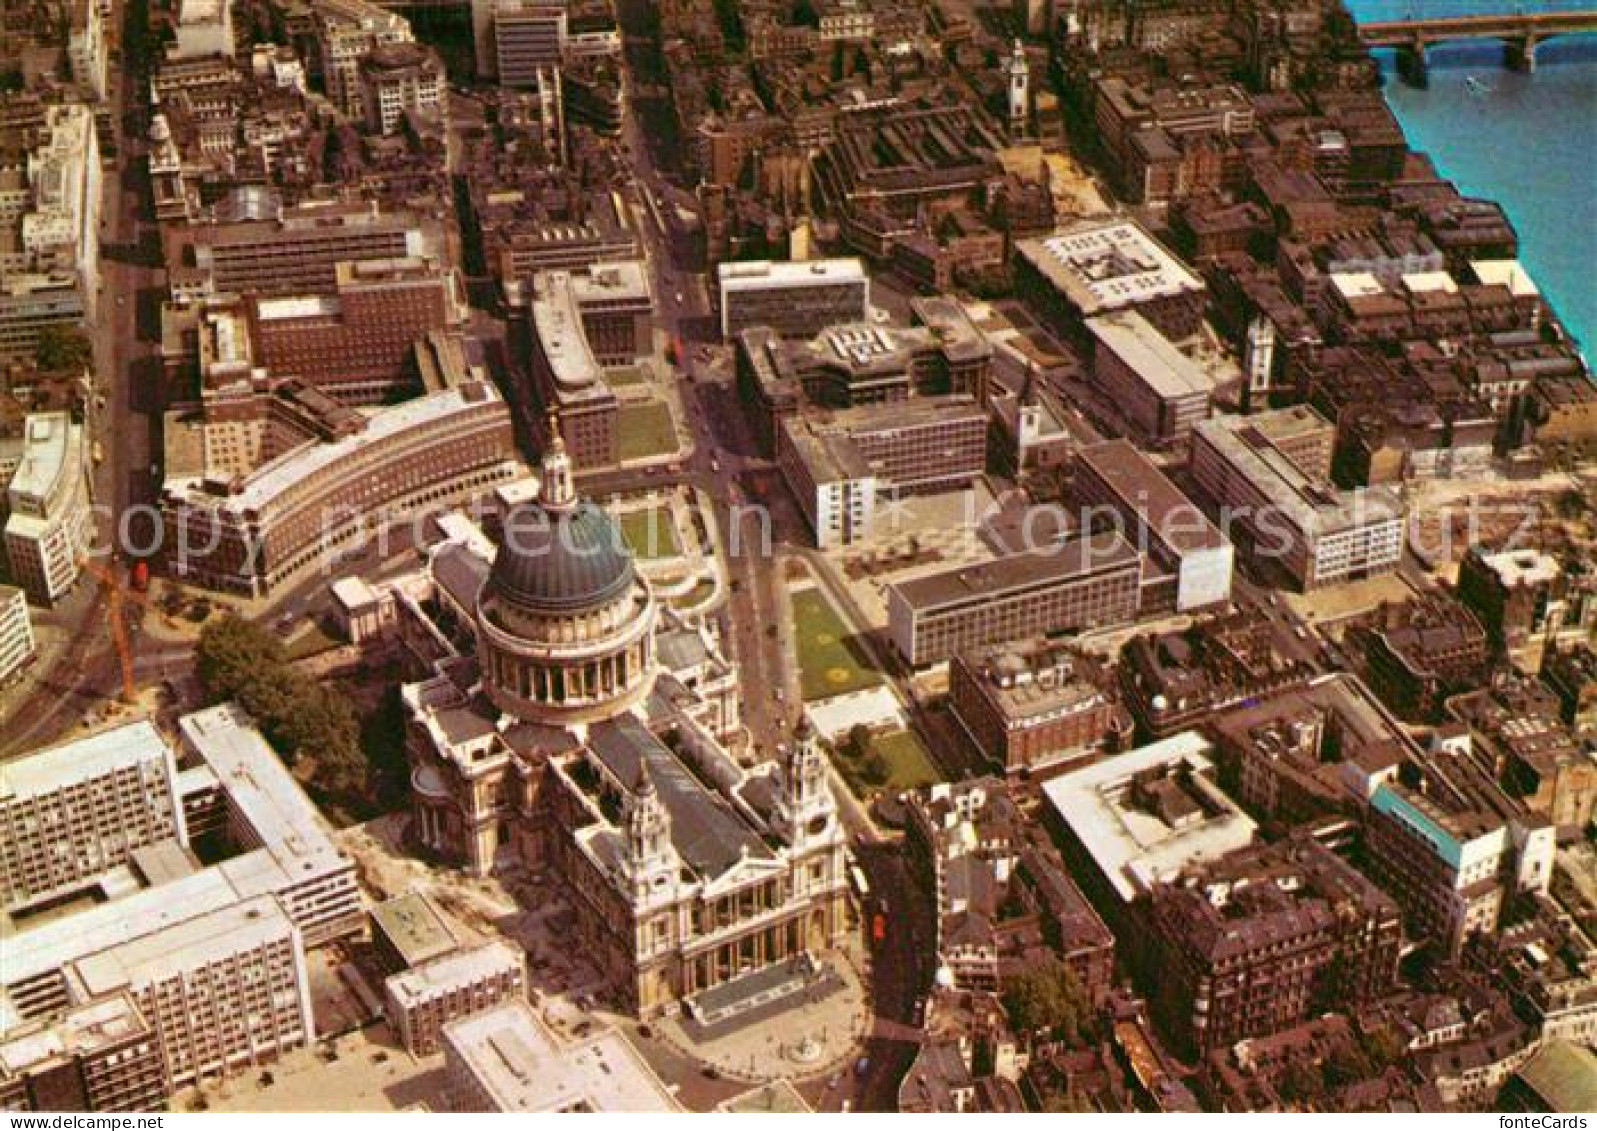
<point>830,661</point>
<point>651,533</point>
<point>645,430</point>
<point>904,760</point>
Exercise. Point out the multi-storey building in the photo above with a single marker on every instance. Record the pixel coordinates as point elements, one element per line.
<point>861,363</point>
<point>1518,595</point>
<point>421,1000</point>
<point>49,501</point>
<point>838,464</point>
<point>398,79</point>
<point>797,300</point>
<point>70,814</point>
<point>99,1056</point>
<point>507,1060</point>
<point>1444,850</point>
<point>1003,900</point>
<point>17,644</point>
<point>1160,521</point>
<point>294,253</point>
<point>1263,938</point>
<point>516,39</point>
<point>249,533</point>
<point>1093,580</point>
<point>203,30</point>
<point>346,32</point>
<point>1293,518</point>
<point>87,51</point>
<point>1029,705</point>
<point>353,341</point>
<point>1099,267</point>
<point>1159,391</point>
<point>568,378</point>
<point>1423,651</point>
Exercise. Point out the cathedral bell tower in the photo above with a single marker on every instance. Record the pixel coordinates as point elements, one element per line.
<point>650,859</point>
<point>1019,91</point>
<point>807,810</point>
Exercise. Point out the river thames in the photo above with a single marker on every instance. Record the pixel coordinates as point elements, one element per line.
<point>1528,141</point>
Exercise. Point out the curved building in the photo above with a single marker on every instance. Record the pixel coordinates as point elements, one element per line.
<point>565,623</point>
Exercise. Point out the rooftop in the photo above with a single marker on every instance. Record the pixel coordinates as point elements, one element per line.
<point>762,274</point>
<point>1170,373</point>
<point>1103,265</point>
<point>1080,556</point>
<point>1139,841</point>
<point>413,925</point>
<point>61,767</point>
<point>520,1064</point>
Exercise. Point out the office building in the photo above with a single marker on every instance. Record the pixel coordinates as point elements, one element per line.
<point>249,796</point>
<point>101,1056</point>
<point>397,79</point>
<point>1264,938</point>
<point>203,30</point>
<point>568,378</point>
<point>516,39</point>
<point>1178,539</point>
<point>408,931</point>
<point>347,31</point>
<point>49,501</point>
<point>1143,818</point>
<point>1003,899</point>
<point>87,50</point>
<point>17,644</point>
<point>797,300</point>
<point>295,252</point>
<point>1519,595</point>
<point>1423,651</point>
<point>421,1000</point>
<point>354,341</point>
<point>1032,705</point>
<point>1293,518</point>
<point>249,533</point>
<point>1106,266</point>
<point>837,463</point>
<point>1155,387</point>
<point>72,813</point>
<point>508,1061</point>
<point>1091,581</point>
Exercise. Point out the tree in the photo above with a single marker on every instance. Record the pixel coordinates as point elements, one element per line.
<point>858,740</point>
<point>1047,1000</point>
<point>63,347</point>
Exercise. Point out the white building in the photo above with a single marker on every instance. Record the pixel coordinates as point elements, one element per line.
<point>51,523</point>
<point>346,32</point>
<point>1144,817</point>
<point>86,49</point>
<point>420,1001</point>
<point>17,645</point>
<point>1320,535</point>
<point>70,814</point>
<point>50,209</point>
<point>507,1060</point>
<point>204,30</point>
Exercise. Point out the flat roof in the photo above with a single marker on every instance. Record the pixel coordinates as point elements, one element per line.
<point>1248,443</point>
<point>1082,555</point>
<point>523,1067</point>
<point>49,439</point>
<point>1170,373</point>
<point>189,945</point>
<point>1133,848</point>
<point>1169,517</point>
<point>1108,264</point>
<point>762,274</point>
<point>453,971</point>
<point>415,927</point>
<point>129,745</point>
<point>262,792</point>
<point>271,479</point>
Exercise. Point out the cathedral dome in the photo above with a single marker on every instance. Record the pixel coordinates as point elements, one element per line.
<point>560,561</point>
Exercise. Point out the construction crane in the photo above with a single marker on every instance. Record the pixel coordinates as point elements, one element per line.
<point>115,592</point>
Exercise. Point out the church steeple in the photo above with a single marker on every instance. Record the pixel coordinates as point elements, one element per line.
<point>806,803</point>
